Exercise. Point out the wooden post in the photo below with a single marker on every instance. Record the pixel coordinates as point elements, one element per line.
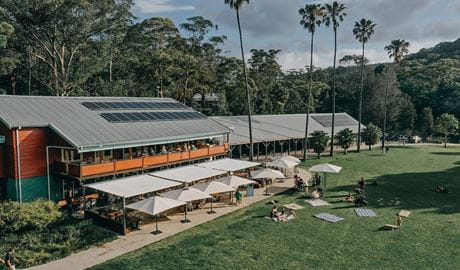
<point>124,216</point>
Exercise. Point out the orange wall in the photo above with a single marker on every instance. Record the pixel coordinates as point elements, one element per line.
<point>32,144</point>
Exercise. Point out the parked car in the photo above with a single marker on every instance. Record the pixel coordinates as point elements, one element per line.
<point>415,139</point>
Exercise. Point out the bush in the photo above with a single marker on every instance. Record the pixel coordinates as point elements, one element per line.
<point>36,215</point>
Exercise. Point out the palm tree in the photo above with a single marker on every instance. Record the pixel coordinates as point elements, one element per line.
<point>335,13</point>
<point>311,19</point>
<point>397,49</point>
<point>363,31</point>
<point>236,5</point>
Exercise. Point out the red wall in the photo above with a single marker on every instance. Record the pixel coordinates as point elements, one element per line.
<point>32,144</point>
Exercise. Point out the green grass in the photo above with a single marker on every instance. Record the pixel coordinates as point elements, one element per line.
<point>58,240</point>
<point>429,238</point>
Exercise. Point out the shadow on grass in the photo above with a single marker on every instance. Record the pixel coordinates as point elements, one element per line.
<point>446,153</point>
<point>414,191</point>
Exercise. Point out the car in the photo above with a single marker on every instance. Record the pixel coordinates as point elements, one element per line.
<point>415,139</point>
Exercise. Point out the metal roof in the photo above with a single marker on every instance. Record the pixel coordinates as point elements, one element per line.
<point>188,174</point>
<point>266,128</point>
<point>87,131</point>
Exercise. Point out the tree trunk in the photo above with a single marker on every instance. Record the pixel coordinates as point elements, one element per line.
<point>13,84</point>
<point>307,120</point>
<point>361,101</point>
<point>29,81</point>
<point>251,150</point>
<point>333,94</point>
<point>445,141</point>
<point>370,147</point>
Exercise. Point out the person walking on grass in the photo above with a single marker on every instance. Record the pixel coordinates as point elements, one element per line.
<point>239,198</point>
<point>11,260</point>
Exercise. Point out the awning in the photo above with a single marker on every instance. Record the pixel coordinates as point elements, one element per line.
<point>188,174</point>
<point>235,181</point>
<point>267,174</point>
<point>186,195</point>
<point>133,186</point>
<point>213,187</point>
<point>228,164</point>
<point>155,205</point>
<point>287,157</point>
<point>325,167</point>
<point>282,163</point>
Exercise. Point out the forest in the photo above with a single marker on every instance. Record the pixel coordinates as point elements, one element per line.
<point>98,48</point>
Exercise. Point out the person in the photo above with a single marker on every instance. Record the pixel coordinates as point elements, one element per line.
<point>398,221</point>
<point>274,212</point>
<point>11,260</point>
<point>292,212</point>
<point>163,150</point>
<point>315,194</point>
<point>317,180</point>
<point>362,183</point>
<point>238,197</point>
<point>441,189</point>
<point>349,198</point>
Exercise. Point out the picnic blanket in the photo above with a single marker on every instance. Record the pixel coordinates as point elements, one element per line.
<point>328,217</point>
<point>317,202</point>
<point>404,213</point>
<point>293,206</point>
<point>363,212</point>
<point>285,218</point>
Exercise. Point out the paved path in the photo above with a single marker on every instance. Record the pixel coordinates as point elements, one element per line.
<point>143,237</point>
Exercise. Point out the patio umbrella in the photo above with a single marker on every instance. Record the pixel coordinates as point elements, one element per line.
<point>325,168</point>
<point>213,188</point>
<point>155,206</point>
<point>235,181</point>
<point>282,163</point>
<point>267,174</point>
<point>290,158</point>
<point>186,195</point>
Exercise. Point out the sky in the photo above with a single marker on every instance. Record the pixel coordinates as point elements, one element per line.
<point>274,24</point>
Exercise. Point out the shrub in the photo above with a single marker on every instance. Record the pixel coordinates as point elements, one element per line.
<point>36,215</point>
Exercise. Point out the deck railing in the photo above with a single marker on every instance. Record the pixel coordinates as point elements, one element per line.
<point>116,166</point>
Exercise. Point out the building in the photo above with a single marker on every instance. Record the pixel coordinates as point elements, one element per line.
<point>283,133</point>
<point>50,146</point>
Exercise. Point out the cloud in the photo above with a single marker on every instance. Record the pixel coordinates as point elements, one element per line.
<point>159,6</point>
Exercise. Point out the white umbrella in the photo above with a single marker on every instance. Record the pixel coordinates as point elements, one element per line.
<point>282,163</point>
<point>213,188</point>
<point>267,174</point>
<point>325,168</point>
<point>155,206</point>
<point>290,158</point>
<point>235,181</point>
<point>186,195</point>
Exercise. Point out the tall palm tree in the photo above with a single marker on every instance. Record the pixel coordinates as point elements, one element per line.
<point>236,5</point>
<point>397,49</point>
<point>335,13</point>
<point>363,31</point>
<point>311,19</point>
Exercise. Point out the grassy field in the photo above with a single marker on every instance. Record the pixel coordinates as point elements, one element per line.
<point>429,238</point>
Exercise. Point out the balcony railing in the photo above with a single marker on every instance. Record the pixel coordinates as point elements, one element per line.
<point>116,166</point>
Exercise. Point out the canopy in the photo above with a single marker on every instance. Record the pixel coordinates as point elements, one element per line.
<point>133,186</point>
<point>235,181</point>
<point>228,164</point>
<point>325,167</point>
<point>188,174</point>
<point>213,187</point>
<point>186,195</point>
<point>290,158</point>
<point>267,173</point>
<point>155,205</point>
<point>282,163</point>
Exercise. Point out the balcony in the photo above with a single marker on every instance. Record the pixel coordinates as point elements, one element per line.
<point>145,162</point>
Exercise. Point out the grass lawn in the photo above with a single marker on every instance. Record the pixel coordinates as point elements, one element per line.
<point>60,239</point>
<point>429,238</point>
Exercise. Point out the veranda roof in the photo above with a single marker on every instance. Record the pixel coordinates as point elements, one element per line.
<point>155,205</point>
<point>133,186</point>
<point>213,187</point>
<point>186,195</point>
<point>188,174</point>
<point>228,164</point>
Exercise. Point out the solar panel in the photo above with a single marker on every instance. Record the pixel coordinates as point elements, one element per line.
<point>124,117</point>
<point>97,106</point>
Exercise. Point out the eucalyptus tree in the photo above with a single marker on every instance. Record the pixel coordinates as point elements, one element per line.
<point>335,14</point>
<point>312,15</point>
<point>236,5</point>
<point>363,30</point>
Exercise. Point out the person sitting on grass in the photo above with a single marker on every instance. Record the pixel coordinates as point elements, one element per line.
<point>441,189</point>
<point>316,194</point>
<point>362,183</point>
<point>274,212</point>
<point>348,198</point>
